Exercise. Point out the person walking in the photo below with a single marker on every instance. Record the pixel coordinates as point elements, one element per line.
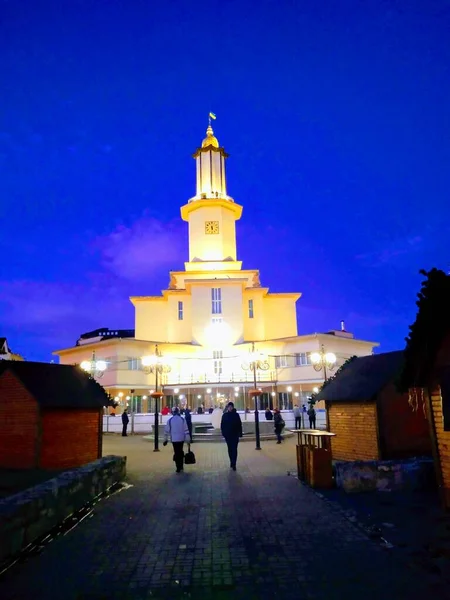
<point>177,430</point>
<point>278,424</point>
<point>125,421</point>
<point>188,418</point>
<point>297,417</point>
<point>231,427</point>
<point>312,417</point>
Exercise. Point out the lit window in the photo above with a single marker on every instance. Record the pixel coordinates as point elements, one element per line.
<point>133,364</point>
<point>217,357</point>
<point>281,361</point>
<point>216,299</point>
<point>302,359</point>
<point>180,311</point>
<point>250,309</point>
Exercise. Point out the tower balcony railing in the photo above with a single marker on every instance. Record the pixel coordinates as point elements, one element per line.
<point>211,195</point>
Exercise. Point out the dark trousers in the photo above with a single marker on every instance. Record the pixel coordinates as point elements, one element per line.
<point>232,444</point>
<point>312,422</point>
<point>124,429</point>
<point>278,431</point>
<point>190,429</point>
<point>298,423</point>
<point>179,455</point>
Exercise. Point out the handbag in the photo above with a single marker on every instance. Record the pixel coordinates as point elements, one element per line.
<point>189,457</point>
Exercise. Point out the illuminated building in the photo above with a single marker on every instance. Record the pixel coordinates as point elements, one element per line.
<point>204,323</point>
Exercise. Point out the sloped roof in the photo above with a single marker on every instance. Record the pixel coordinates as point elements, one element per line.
<point>57,386</point>
<point>363,378</point>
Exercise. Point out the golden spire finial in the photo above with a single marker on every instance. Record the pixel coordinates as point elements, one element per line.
<point>210,140</point>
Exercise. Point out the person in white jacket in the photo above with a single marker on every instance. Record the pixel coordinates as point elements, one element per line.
<point>176,428</point>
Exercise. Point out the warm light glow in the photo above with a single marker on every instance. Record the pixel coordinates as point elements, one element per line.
<point>256,356</point>
<point>117,398</point>
<point>148,361</point>
<point>315,358</point>
<point>236,389</point>
<point>120,394</point>
<point>289,389</point>
<point>273,394</point>
<point>236,394</point>
<point>199,397</point>
<point>181,396</point>
<point>176,390</point>
<point>144,397</point>
<point>296,394</point>
<point>127,398</point>
<point>330,358</point>
<point>208,391</point>
<point>86,365</point>
<point>316,390</point>
<point>151,391</point>
<point>218,335</point>
<point>100,365</point>
<point>218,394</point>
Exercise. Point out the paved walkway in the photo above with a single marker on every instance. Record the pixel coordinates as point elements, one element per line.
<point>211,533</point>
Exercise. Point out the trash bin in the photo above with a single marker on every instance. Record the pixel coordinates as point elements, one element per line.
<point>314,461</point>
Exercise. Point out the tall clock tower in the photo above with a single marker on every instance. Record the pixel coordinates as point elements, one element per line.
<point>211,213</point>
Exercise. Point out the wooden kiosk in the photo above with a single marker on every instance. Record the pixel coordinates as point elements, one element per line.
<point>314,464</point>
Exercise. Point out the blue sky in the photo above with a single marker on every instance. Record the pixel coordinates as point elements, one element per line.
<point>335,115</point>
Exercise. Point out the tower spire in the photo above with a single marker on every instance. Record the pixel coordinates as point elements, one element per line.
<point>210,139</point>
<point>210,166</point>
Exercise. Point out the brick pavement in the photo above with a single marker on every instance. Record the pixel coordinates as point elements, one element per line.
<point>211,533</point>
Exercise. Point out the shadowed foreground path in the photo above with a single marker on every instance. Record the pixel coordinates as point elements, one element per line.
<point>212,533</point>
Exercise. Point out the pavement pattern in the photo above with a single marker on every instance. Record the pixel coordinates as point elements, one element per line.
<point>212,533</point>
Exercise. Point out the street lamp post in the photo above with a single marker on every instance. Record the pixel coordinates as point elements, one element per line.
<point>324,360</point>
<point>155,364</point>
<point>94,367</point>
<point>256,362</point>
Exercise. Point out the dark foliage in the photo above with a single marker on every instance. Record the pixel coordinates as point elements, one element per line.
<point>429,330</point>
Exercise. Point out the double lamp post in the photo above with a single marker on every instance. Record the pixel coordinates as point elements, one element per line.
<point>257,361</point>
<point>155,364</point>
<point>325,361</point>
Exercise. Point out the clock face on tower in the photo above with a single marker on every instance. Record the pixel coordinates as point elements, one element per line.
<point>211,227</point>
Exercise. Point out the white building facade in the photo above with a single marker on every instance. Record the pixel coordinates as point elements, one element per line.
<point>210,318</point>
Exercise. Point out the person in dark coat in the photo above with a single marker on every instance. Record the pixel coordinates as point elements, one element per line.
<point>231,427</point>
<point>312,417</point>
<point>269,415</point>
<point>125,421</point>
<point>188,419</point>
<point>278,425</point>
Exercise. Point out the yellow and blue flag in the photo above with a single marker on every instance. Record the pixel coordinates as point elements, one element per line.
<point>212,116</point>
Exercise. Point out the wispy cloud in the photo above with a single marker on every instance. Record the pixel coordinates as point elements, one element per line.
<point>41,304</point>
<point>127,261</point>
<point>392,251</point>
<point>135,253</point>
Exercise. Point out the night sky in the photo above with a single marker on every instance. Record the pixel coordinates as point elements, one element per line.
<point>336,118</point>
